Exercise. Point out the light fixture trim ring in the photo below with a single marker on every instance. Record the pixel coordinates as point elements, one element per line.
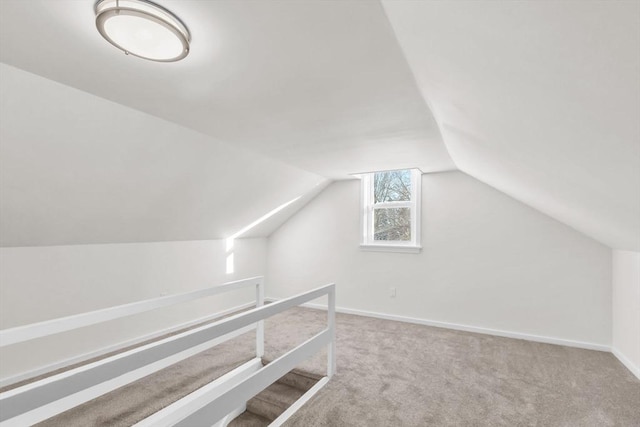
<point>177,28</point>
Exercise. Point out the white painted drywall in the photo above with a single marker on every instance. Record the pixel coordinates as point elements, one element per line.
<point>626,309</point>
<point>78,169</point>
<point>321,85</point>
<point>539,99</point>
<point>487,261</point>
<point>40,283</point>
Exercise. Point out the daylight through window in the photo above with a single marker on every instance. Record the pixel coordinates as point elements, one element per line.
<point>391,209</point>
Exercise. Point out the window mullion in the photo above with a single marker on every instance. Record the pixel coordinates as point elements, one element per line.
<point>403,204</point>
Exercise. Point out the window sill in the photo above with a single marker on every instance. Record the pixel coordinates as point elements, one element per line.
<point>391,248</point>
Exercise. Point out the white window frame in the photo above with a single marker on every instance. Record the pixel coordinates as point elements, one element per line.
<point>368,206</point>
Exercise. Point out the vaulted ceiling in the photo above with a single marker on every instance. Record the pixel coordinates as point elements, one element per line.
<point>104,173</point>
<point>320,85</point>
<point>538,99</point>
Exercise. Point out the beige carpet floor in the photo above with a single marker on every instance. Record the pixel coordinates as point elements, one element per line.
<point>398,374</point>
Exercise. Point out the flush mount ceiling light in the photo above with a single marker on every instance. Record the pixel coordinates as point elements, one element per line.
<point>142,29</point>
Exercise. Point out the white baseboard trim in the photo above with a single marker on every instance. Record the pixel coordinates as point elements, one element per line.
<point>102,351</point>
<point>466,328</point>
<point>635,370</point>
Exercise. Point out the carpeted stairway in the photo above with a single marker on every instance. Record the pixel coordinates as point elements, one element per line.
<point>275,399</point>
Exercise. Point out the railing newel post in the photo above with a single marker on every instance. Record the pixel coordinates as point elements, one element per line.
<point>260,324</point>
<point>331,324</point>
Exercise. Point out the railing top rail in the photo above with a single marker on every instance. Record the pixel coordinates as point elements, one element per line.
<point>260,313</point>
<point>49,327</point>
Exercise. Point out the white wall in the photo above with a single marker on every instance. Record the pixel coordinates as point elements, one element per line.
<point>626,309</point>
<point>40,283</point>
<point>487,261</point>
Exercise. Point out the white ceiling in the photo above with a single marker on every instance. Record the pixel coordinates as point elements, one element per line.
<point>320,85</point>
<point>538,99</point>
<point>78,169</point>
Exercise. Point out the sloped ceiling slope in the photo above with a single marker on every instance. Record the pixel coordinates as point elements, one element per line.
<point>78,169</point>
<point>538,99</point>
<point>320,85</point>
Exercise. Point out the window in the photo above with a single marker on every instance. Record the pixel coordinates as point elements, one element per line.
<point>391,210</point>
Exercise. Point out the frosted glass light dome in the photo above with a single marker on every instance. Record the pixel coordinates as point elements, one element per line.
<point>142,29</point>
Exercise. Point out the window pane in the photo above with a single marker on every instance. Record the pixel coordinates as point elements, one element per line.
<point>392,186</point>
<point>392,224</point>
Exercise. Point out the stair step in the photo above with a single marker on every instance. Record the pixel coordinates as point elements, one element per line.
<point>249,419</point>
<point>297,378</point>
<point>274,400</point>
<point>270,403</point>
<point>300,380</point>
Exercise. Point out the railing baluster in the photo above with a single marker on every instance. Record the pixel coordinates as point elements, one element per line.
<point>331,323</point>
<point>260,324</point>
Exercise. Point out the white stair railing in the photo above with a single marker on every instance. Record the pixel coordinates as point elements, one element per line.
<point>43,399</point>
<point>197,409</point>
